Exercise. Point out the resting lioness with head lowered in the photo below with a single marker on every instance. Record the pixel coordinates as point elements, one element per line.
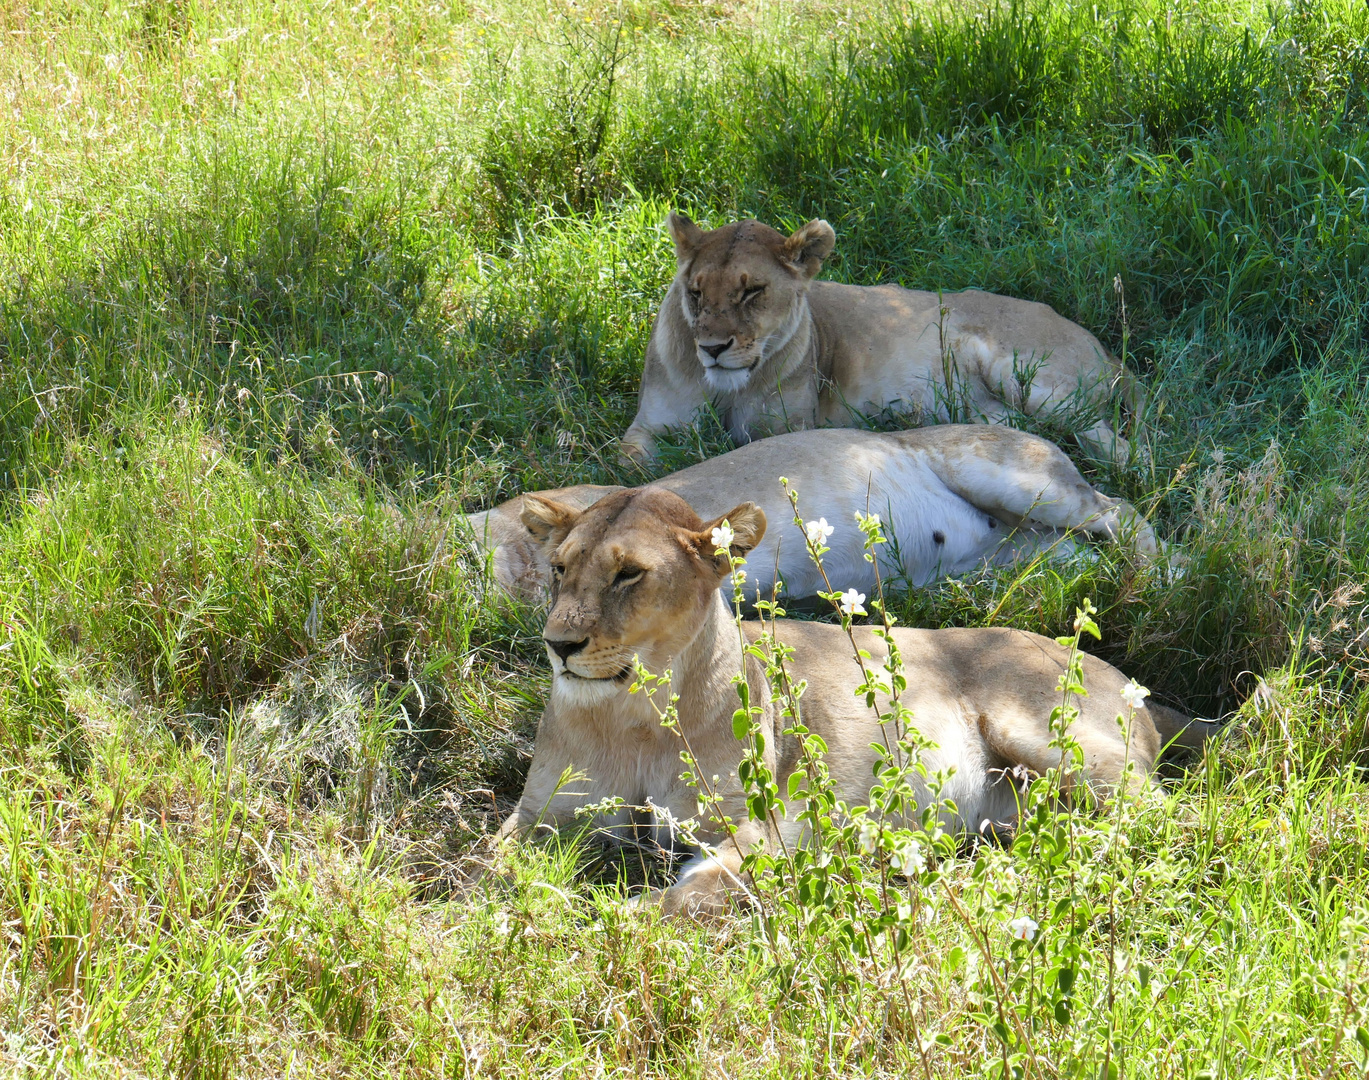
<point>745,326</point>
<point>953,497</point>
<point>637,575</point>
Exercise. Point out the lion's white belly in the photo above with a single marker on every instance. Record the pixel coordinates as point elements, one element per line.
<point>932,531</point>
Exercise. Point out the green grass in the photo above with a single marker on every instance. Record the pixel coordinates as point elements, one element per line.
<point>284,288</point>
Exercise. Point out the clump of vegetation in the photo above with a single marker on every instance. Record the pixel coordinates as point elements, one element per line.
<point>285,288</point>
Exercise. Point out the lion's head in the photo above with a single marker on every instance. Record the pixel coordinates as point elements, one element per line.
<point>741,291</point>
<point>633,574</point>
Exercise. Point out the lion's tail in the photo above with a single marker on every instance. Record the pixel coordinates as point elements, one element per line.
<point>1178,731</point>
<point>1129,388</point>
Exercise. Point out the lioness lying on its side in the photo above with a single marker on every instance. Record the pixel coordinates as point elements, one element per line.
<point>952,496</point>
<point>745,327</point>
<point>636,575</point>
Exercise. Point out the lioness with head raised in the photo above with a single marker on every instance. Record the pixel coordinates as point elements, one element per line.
<point>637,575</point>
<point>745,326</point>
<point>953,497</point>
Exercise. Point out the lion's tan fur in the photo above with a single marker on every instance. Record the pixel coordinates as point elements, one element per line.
<point>637,576</point>
<point>797,353</point>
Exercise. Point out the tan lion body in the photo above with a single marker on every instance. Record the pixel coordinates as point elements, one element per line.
<point>638,577</point>
<point>953,496</point>
<point>744,327</point>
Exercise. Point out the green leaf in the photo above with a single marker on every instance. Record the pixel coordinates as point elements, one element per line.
<point>741,724</point>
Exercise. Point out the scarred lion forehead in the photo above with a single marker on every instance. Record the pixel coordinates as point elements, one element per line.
<point>621,524</point>
<point>727,278</point>
<point>732,246</point>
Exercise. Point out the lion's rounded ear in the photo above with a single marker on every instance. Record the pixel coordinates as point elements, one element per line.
<point>746,523</point>
<point>546,519</point>
<point>809,245</point>
<point>686,234</point>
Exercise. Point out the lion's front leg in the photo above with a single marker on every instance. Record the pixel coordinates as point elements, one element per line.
<point>790,407</point>
<point>665,400</point>
<point>561,780</point>
<point>708,885</point>
<point>713,880</point>
<point>636,445</point>
<point>510,827</point>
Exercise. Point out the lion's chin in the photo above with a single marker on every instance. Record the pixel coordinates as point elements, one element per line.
<point>728,380</point>
<point>578,690</point>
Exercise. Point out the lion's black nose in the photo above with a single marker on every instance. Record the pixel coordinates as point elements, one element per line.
<point>566,649</point>
<point>716,351</point>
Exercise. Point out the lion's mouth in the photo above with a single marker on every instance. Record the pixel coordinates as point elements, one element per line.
<point>726,380</point>
<point>718,366</point>
<point>622,675</point>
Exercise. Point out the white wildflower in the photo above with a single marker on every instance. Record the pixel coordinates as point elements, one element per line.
<point>1134,694</point>
<point>501,923</point>
<point>908,858</point>
<point>818,531</point>
<point>869,835</point>
<point>851,602</point>
<point>723,536</point>
<point>1024,928</point>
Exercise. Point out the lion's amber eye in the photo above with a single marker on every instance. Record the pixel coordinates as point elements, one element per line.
<point>628,575</point>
